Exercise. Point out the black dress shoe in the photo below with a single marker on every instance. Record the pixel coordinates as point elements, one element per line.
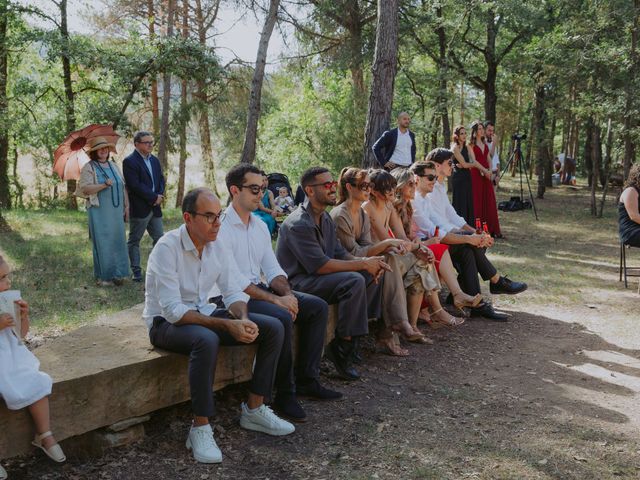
<point>504,285</point>
<point>137,277</point>
<point>288,407</point>
<point>486,310</point>
<point>339,351</point>
<point>316,391</point>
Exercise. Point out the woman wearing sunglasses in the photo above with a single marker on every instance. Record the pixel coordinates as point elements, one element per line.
<point>399,295</point>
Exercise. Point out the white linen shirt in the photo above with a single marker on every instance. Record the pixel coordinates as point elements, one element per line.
<point>178,280</point>
<point>402,153</point>
<point>251,246</point>
<point>495,160</point>
<point>441,212</point>
<point>421,215</point>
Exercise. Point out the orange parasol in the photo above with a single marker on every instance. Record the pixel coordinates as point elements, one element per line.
<point>69,157</point>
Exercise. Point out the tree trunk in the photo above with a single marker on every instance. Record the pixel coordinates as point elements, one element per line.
<point>490,95</point>
<point>443,74</point>
<point>204,128</point>
<point>69,95</point>
<point>384,70</point>
<point>184,113</point>
<point>588,149</point>
<point>353,24</point>
<point>629,145</point>
<point>606,174</point>
<point>5,195</point>
<point>163,146</point>
<point>540,138</point>
<point>462,102</point>
<point>253,116</point>
<point>155,107</point>
<point>596,157</point>
<point>548,171</point>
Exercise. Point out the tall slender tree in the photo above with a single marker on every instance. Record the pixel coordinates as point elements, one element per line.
<point>5,196</point>
<point>384,70</point>
<point>253,115</point>
<point>163,145</point>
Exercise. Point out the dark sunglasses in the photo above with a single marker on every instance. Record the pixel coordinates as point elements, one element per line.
<point>364,186</point>
<point>255,189</point>
<point>326,185</point>
<point>429,177</point>
<point>211,217</point>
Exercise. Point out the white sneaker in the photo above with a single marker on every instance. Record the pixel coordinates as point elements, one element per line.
<point>264,420</point>
<point>204,447</point>
<point>3,473</point>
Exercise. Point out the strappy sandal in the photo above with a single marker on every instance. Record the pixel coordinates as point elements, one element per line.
<point>391,346</point>
<point>451,322</point>
<point>469,301</point>
<point>54,452</point>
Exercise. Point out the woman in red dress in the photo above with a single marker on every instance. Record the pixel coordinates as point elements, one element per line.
<point>484,197</point>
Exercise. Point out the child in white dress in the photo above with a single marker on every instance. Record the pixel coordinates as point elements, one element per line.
<point>22,384</point>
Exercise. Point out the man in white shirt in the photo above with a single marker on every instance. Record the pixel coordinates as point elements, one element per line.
<point>492,143</point>
<point>396,147</point>
<point>248,238</point>
<point>467,249</point>
<point>183,268</point>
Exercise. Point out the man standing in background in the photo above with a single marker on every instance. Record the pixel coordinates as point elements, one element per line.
<point>145,185</point>
<point>494,158</point>
<point>397,147</point>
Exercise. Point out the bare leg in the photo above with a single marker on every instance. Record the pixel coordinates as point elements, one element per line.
<point>40,414</point>
<point>449,276</point>
<point>200,421</point>
<point>254,401</point>
<point>413,309</point>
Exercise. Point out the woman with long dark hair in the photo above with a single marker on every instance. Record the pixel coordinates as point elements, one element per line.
<point>463,163</point>
<point>628,209</point>
<point>484,197</point>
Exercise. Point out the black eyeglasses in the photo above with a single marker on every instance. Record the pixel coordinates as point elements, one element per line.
<point>429,177</point>
<point>211,217</point>
<point>326,185</point>
<point>255,189</point>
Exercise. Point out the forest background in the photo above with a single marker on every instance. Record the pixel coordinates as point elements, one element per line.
<point>564,71</point>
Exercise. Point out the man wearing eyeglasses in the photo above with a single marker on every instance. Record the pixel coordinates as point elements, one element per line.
<point>248,238</point>
<point>309,252</point>
<point>184,267</point>
<point>145,185</point>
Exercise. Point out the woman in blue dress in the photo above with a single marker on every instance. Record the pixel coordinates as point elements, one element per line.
<point>267,209</point>
<point>101,183</point>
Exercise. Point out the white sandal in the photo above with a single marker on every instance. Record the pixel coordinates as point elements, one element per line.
<point>54,452</point>
<point>3,473</point>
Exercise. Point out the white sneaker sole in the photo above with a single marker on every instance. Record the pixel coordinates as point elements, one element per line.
<point>200,459</point>
<point>256,427</point>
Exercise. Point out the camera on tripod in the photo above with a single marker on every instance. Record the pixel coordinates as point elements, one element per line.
<point>519,136</point>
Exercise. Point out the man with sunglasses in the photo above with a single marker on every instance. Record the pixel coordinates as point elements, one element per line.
<point>248,238</point>
<point>396,147</point>
<point>467,248</point>
<point>145,185</point>
<point>309,252</point>
<point>184,267</point>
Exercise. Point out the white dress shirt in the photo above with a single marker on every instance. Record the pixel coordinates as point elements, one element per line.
<point>435,206</point>
<point>421,220</point>
<point>178,280</point>
<point>251,246</point>
<point>402,153</point>
<point>495,160</point>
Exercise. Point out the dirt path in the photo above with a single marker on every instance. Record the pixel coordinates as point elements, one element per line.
<point>554,393</point>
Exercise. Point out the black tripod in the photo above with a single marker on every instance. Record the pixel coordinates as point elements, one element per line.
<point>517,156</point>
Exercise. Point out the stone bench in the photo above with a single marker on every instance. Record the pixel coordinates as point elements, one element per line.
<point>109,372</point>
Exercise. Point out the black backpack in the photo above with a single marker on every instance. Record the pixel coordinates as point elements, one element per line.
<point>514,204</point>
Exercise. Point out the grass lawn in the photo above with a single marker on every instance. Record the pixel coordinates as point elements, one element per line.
<point>50,253</point>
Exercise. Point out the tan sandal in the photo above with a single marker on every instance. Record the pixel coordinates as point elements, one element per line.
<point>463,300</point>
<point>450,322</point>
<point>54,452</point>
<point>391,346</point>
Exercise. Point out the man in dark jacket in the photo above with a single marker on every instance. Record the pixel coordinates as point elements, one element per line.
<point>145,184</point>
<point>397,147</point>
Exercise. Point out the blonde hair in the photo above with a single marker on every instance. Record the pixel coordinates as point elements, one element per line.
<point>404,209</point>
<point>633,180</point>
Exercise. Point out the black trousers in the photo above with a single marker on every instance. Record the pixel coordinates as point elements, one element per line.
<point>311,326</point>
<point>469,261</point>
<point>202,345</point>
<point>357,295</point>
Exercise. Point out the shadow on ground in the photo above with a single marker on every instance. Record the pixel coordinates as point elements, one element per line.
<point>532,398</point>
